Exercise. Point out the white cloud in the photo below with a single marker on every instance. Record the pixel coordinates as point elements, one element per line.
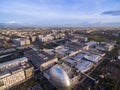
<point>13,22</point>
<point>53,12</point>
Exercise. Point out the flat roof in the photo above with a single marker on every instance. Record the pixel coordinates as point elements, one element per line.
<point>91,43</point>
<point>39,57</point>
<point>7,68</point>
<point>84,65</point>
<point>92,57</point>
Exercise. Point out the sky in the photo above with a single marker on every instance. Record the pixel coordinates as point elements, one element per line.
<point>60,12</point>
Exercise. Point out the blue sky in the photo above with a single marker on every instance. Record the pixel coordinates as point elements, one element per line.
<point>60,12</point>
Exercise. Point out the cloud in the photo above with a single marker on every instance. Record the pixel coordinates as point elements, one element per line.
<point>113,13</point>
<point>13,22</point>
<point>57,11</point>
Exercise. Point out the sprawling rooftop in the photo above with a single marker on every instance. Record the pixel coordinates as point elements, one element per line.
<point>7,68</point>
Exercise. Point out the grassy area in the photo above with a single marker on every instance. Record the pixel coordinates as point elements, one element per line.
<point>26,85</point>
<point>117,66</point>
<point>104,38</point>
<point>113,52</point>
<point>110,84</point>
<point>97,38</point>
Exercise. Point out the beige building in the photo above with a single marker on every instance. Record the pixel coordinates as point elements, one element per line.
<point>109,47</point>
<point>14,72</point>
<point>45,38</point>
<point>21,41</point>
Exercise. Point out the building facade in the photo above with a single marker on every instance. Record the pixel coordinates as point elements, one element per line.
<point>14,72</point>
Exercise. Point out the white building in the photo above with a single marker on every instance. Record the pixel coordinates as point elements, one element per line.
<point>45,38</point>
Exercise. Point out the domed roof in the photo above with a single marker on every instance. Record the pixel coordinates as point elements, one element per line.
<point>59,77</point>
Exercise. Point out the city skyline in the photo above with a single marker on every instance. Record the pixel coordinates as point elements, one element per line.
<point>60,12</point>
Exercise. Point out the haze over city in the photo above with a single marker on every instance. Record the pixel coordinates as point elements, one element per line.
<point>59,44</point>
<point>60,12</point>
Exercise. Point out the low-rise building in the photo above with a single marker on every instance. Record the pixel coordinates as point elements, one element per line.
<point>91,43</point>
<point>27,42</point>
<point>104,46</point>
<point>41,59</point>
<point>33,38</point>
<point>21,41</point>
<point>45,38</point>
<point>84,66</point>
<point>77,45</point>
<point>59,35</point>
<point>62,51</point>
<point>83,39</point>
